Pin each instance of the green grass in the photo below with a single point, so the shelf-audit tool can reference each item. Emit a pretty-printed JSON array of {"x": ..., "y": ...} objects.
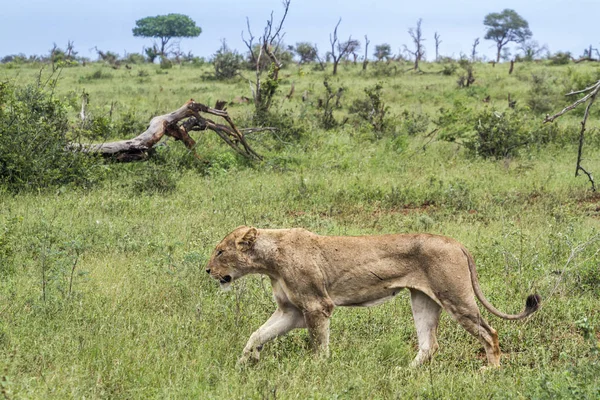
[{"x": 142, "y": 319}]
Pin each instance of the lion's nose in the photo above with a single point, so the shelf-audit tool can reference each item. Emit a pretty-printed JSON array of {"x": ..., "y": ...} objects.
[{"x": 208, "y": 271}]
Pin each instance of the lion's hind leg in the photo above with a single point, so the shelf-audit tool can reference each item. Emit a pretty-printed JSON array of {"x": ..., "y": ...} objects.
[
  {"x": 426, "y": 314},
  {"x": 470, "y": 318}
]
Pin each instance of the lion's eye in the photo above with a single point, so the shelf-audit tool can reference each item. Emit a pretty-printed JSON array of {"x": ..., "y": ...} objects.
[{"x": 219, "y": 253}]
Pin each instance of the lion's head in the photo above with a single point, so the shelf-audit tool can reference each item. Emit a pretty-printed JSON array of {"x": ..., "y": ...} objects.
[{"x": 229, "y": 261}]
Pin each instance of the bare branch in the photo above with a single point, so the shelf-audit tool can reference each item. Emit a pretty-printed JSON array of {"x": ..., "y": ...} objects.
[{"x": 591, "y": 96}]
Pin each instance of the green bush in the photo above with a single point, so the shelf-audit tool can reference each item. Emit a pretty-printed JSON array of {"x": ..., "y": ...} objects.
[
  {"x": 373, "y": 110},
  {"x": 227, "y": 62},
  {"x": 560, "y": 58},
  {"x": 490, "y": 133},
  {"x": 541, "y": 97},
  {"x": 33, "y": 141}
]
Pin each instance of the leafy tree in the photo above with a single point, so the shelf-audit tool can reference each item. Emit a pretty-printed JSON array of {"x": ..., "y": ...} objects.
[
  {"x": 505, "y": 27},
  {"x": 306, "y": 51},
  {"x": 166, "y": 27},
  {"x": 383, "y": 51}
]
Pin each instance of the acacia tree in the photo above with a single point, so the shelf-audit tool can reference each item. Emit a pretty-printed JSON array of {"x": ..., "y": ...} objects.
[
  {"x": 505, "y": 27},
  {"x": 383, "y": 51},
  {"x": 306, "y": 51},
  {"x": 165, "y": 28}
]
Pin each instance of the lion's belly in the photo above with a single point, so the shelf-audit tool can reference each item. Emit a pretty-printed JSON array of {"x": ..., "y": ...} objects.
[{"x": 364, "y": 299}]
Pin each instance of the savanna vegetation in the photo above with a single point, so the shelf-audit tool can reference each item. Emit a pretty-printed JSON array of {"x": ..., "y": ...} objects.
[{"x": 103, "y": 292}]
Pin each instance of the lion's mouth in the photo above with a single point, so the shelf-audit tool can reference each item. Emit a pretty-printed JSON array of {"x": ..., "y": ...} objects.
[{"x": 225, "y": 279}]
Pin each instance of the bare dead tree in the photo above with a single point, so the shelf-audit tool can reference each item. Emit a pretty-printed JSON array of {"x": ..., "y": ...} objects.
[
  {"x": 590, "y": 97},
  {"x": 474, "y": 49},
  {"x": 319, "y": 59},
  {"x": 438, "y": 41},
  {"x": 366, "y": 60},
  {"x": 417, "y": 36},
  {"x": 269, "y": 43},
  {"x": 341, "y": 48},
  {"x": 177, "y": 124}
]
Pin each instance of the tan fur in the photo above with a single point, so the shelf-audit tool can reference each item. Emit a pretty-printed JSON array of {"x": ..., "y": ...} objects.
[{"x": 312, "y": 274}]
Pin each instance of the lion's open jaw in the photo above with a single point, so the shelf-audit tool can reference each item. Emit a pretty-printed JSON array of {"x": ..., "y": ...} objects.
[{"x": 225, "y": 282}]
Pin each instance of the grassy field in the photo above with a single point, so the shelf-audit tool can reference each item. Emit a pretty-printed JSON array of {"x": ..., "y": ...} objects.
[{"x": 103, "y": 292}]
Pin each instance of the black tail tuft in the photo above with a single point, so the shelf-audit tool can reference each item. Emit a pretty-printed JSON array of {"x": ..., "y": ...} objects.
[{"x": 533, "y": 303}]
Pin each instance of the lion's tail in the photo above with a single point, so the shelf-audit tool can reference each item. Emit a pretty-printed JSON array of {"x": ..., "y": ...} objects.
[{"x": 531, "y": 304}]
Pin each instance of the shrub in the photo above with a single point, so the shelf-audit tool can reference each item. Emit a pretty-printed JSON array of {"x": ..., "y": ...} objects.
[
  {"x": 489, "y": 133},
  {"x": 165, "y": 63},
  {"x": 541, "y": 97},
  {"x": 560, "y": 58},
  {"x": 227, "y": 62},
  {"x": 497, "y": 134},
  {"x": 414, "y": 123},
  {"x": 373, "y": 110},
  {"x": 34, "y": 142}
]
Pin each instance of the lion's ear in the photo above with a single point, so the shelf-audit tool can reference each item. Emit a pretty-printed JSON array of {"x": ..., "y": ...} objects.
[{"x": 246, "y": 242}]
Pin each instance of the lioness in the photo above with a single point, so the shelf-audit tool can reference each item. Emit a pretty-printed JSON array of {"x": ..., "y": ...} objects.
[{"x": 311, "y": 274}]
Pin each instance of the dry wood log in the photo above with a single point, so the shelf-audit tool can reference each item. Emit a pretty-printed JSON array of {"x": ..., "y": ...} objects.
[{"x": 177, "y": 125}]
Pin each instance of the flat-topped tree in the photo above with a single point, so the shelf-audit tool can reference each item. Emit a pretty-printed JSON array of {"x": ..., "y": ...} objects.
[
  {"x": 166, "y": 27},
  {"x": 505, "y": 27}
]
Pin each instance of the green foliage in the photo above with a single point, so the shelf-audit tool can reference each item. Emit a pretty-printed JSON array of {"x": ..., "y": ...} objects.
[
  {"x": 327, "y": 104},
  {"x": 504, "y": 27},
  {"x": 489, "y": 133},
  {"x": 166, "y": 27},
  {"x": 542, "y": 96},
  {"x": 34, "y": 141},
  {"x": 449, "y": 67},
  {"x": 134, "y": 58},
  {"x": 383, "y": 52},
  {"x": 227, "y": 62},
  {"x": 373, "y": 109},
  {"x": 413, "y": 123},
  {"x": 560, "y": 58},
  {"x": 165, "y": 63},
  {"x": 306, "y": 51},
  {"x": 498, "y": 134},
  {"x": 384, "y": 69}
]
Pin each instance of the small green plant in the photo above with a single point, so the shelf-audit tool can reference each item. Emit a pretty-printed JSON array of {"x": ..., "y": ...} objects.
[
  {"x": 373, "y": 110},
  {"x": 328, "y": 104}
]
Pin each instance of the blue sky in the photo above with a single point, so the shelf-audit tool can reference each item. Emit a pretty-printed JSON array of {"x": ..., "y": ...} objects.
[{"x": 32, "y": 26}]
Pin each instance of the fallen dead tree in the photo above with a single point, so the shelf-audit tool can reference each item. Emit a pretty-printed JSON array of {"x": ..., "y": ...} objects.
[{"x": 177, "y": 124}]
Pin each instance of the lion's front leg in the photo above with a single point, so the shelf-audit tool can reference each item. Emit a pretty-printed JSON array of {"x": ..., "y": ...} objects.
[
  {"x": 280, "y": 323},
  {"x": 317, "y": 323}
]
